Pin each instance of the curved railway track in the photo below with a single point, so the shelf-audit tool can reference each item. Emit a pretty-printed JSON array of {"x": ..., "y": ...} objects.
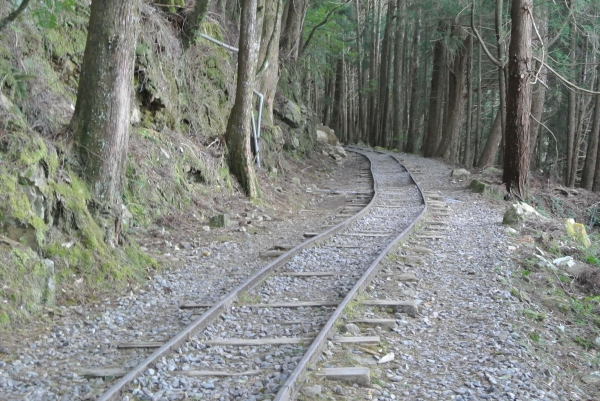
[{"x": 259, "y": 341}]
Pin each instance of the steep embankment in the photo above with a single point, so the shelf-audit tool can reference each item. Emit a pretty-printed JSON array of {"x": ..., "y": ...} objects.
[{"x": 51, "y": 247}]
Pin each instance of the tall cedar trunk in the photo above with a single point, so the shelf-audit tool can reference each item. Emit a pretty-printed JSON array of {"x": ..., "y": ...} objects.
[
  {"x": 102, "y": 113},
  {"x": 449, "y": 146},
  {"x": 467, "y": 149},
  {"x": 479, "y": 113},
  {"x": 291, "y": 33},
  {"x": 591, "y": 159},
  {"x": 518, "y": 99},
  {"x": 398, "y": 81},
  {"x": 373, "y": 77},
  {"x": 361, "y": 109},
  {"x": 337, "y": 115},
  {"x": 538, "y": 97},
  {"x": 583, "y": 111},
  {"x": 488, "y": 155},
  {"x": 268, "y": 56},
  {"x": 411, "y": 141},
  {"x": 572, "y": 111},
  {"x": 501, "y": 72},
  {"x": 436, "y": 94},
  {"x": 384, "y": 74},
  {"x": 238, "y": 133}
]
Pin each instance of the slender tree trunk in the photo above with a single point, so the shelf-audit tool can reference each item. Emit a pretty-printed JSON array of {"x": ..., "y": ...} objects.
[
  {"x": 436, "y": 95},
  {"x": 194, "y": 22},
  {"x": 518, "y": 106},
  {"x": 479, "y": 113},
  {"x": 398, "y": 81},
  {"x": 289, "y": 43},
  {"x": 449, "y": 146},
  {"x": 268, "y": 57},
  {"x": 572, "y": 110},
  {"x": 374, "y": 78},
  {"x": 411, "y": 143},
  {"x": 591, "y": 160},
  {"x": 384, "y": 74},
  {"x": 102, "y": 113},
  {"x": 501, "y": 72},
  {"x": 490, "y": 150},
  {"x": 238, "y": 127},
  {"x": 467, "y": 152},
  {"x": 361, "y": 108},
  {"x": 338, "y": 102},
  {"x": 539, "y": 95}
]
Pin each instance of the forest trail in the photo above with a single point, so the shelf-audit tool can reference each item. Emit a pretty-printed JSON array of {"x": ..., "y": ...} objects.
[{"x": 474, "y": 338}]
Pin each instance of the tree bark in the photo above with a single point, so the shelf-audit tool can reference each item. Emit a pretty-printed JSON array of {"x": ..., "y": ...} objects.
[
  {"x": 591, "y": 160},
  {"x": 467, "y": 148},
  {"x": 572, "y": 111},
  {"x": 338, "y": 102},
  {"x": 411, "y": 142},
  {"x": 539, "y": 96},
  {"x": 238, "y": 133},
  {"x": 289, "y": 43},
  {"x": 373, "y": 77},
  {"x": 449, "y": 146},
  {"x": 268, "y": 57},
  {"x": 501, "y": 73},
  {"x": 101, "y": 119},
  {"x": 384, "y": 75},
  {"x": 361, "y": 102},
  {"x": 436, "y": 95},
  {"x": 398, "y": 81},
  {"x": 518, "y": 99},
  {"x": 490, "y": 150}
]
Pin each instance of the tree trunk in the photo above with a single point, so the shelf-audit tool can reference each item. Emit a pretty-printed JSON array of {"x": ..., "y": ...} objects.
[
  {"x": 398, "y": 81},
  {"x": 501, "y": 76},
  {"x": 102, "y": 113},
  {"x": 490, "y": 150},
  {"x": 479, "y": 104},
  {"x": 518, "y": 99},
  {"x": 291, "y": 34},
  {"x": 411, "y": 142},
  {"x": 268, "y": 57},
  {"x": 373, "y": 77},
  {"x": 572, "y": 111},
  {"x": 436, "y": 95},
  {"x": 539, "y": 96},
  {"x": 449, "y": 146},
  {"x": 361, "y": 109},
  {"x": 467, "y": 149},
  {"x": 238, "y": 133},
  {"x": 384, "y": 76},
  {"x": 591, "y": 160},
  {"x": 338, "y": 102}
]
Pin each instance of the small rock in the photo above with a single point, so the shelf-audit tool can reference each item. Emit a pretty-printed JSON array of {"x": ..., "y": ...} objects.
[
  {"x": 220, "y": 220},
  {"x": 387, "y": 358},
  {"x": 352, "y": 329},
  {"x": 206, "y": 228},
  {"x": 593, "y": 377},
  {"x": 459, "y": 172},
  {"x": 296, "y": 181},
  {"x": 313, "y": 391}
]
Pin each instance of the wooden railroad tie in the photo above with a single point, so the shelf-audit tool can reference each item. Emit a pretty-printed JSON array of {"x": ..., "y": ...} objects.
[
  {"x": 373, "y": 340},
  {"x": 375, "y": 322},
  {"x": 312, "y": 274}
]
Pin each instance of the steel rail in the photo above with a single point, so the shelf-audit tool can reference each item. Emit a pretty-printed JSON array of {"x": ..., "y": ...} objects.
[
  {"x": 221, "y": 306},
  {"x": 291, "y": 387}
]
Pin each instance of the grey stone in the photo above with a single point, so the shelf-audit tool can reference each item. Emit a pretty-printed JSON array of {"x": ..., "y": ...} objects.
[
  {"x": 352, "y": 329},
  {"x": 459, "y": 172},
  {"x": 50, "y": 288},
  {"x": 220, "y": 220},
  {"x": 520, "y": 212}
]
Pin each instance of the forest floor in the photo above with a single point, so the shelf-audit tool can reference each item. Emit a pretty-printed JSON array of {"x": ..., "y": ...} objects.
[{"x": 533, "y": 329}]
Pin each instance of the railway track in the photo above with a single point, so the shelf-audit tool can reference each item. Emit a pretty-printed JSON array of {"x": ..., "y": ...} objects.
[{"x": 260, "y": 340}]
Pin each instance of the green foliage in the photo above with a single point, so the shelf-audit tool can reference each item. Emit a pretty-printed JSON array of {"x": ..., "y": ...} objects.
[{"x": 48, "y": 12}]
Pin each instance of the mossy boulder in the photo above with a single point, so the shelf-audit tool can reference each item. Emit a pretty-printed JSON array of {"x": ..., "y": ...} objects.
[
  {"x": 520, "y": 212},
  {"x": 289, "y": 112}
]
